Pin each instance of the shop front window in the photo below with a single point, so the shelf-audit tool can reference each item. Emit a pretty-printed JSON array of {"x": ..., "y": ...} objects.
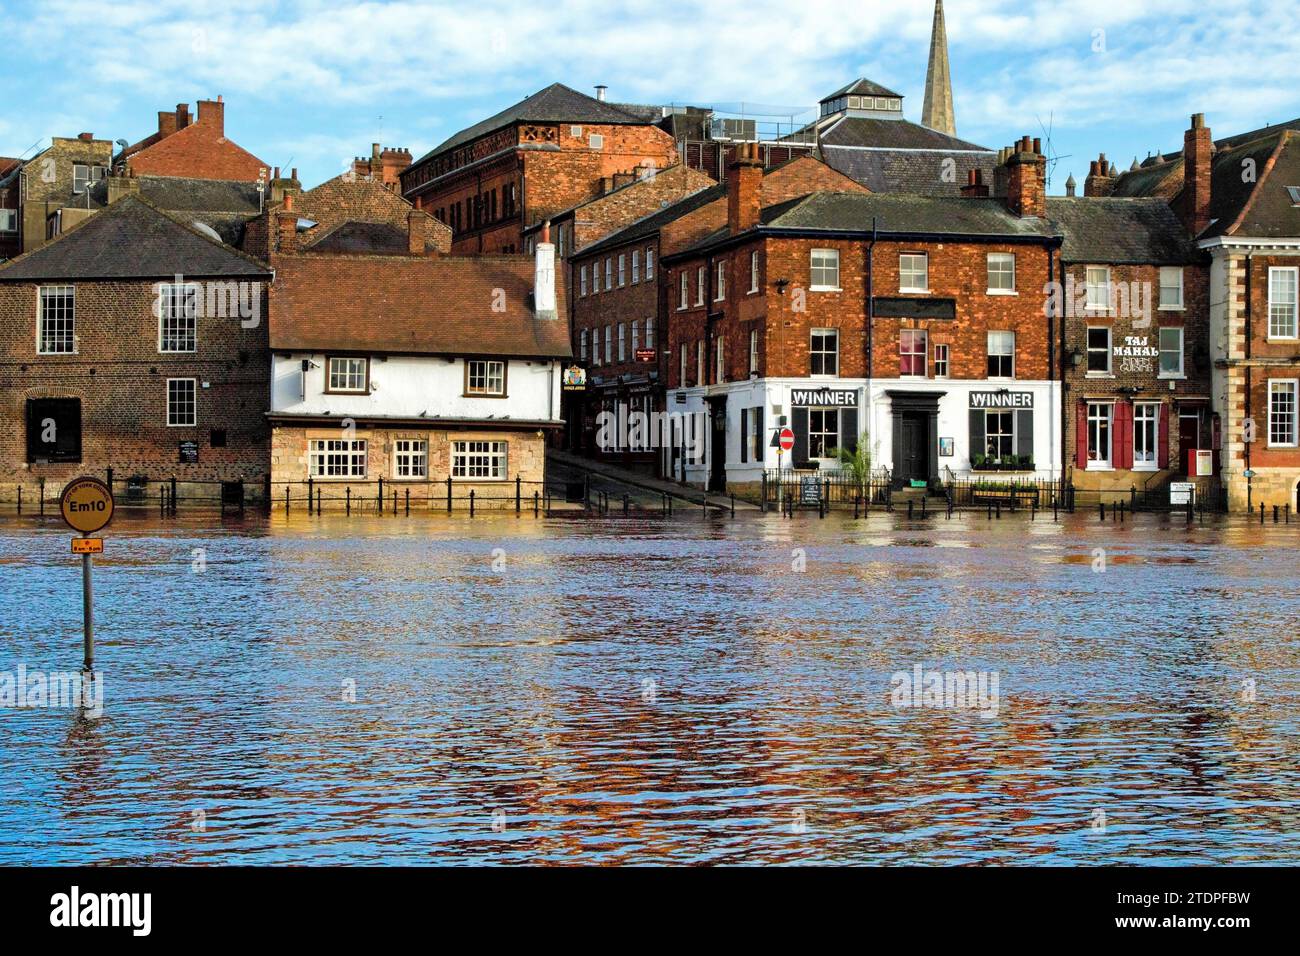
[
  {"x": 1099, "y": 419},
  {"x": 823, "y": 432},
  {"x": 1146, "y": 429}
]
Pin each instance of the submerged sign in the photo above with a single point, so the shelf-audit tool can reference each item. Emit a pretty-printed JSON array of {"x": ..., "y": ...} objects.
[
  {"x": 1001, "y": 399},
  {"x": 833, "y": 397}
]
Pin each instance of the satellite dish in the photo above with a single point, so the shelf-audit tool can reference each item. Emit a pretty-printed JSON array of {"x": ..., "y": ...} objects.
[{"x": 207, "y": 230}]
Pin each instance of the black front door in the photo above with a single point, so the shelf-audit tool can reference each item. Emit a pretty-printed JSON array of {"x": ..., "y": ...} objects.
[
  {"x": 914, "y": 462},
  {"x": 718, "y": 448}
]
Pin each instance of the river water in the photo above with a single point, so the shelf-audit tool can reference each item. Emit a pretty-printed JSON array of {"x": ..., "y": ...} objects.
[{"x": 646, "y": 690}]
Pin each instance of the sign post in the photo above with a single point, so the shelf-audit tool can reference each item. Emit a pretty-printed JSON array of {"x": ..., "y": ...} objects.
[{"x": 87, "y": 506}]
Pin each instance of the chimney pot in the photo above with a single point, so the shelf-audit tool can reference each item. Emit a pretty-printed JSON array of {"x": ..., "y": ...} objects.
[{"x": 288, "y": 203}]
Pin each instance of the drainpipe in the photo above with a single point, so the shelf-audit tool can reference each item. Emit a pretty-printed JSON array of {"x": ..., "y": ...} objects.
[
  {"x": 1065, "y": 404},
  {"x": 1250, "y": 258},
  {"x": 1051, "y": 360},
  {"x": 869, "y": 409}
]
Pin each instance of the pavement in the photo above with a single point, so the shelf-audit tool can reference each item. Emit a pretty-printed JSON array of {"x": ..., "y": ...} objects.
[{"x": 644, "y": 491}]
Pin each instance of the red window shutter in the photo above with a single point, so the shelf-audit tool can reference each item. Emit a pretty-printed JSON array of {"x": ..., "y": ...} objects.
[
  {"x": 1122, "y": 452},
  {"x": 1081, "y": 435},
  {"x": 1162, "y": 440}
]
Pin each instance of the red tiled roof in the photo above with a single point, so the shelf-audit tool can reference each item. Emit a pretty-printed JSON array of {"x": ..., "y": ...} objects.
[{"x": 414, "y": 306}]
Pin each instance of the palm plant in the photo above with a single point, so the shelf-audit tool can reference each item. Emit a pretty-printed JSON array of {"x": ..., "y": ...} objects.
[{"x": 857, "y": 462}]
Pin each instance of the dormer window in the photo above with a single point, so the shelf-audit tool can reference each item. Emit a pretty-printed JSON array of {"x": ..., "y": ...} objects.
[
  {"x": 855, "y": 102},
  {"x": 894, "y": 104}
]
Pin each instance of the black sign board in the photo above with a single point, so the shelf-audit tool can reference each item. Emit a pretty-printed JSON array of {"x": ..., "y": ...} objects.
[
  {"x": 810, "y": 490},
  {"x": 189, "y": 452},
  {"x": 913, "y": 308}
]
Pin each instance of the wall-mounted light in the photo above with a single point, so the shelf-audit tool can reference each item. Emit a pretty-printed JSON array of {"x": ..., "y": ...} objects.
[
  {"x": 781, "y": 284},
  {"x": 1076, "y": 358}
]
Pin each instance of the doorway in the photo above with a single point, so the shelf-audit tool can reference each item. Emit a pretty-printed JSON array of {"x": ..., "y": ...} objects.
[
  {"x": 914, "y": 448},
  {"x": 718, "y": 445}
]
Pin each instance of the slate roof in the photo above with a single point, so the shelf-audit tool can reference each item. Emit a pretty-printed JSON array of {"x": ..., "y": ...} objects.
[
  {"x": 1121, "y": 230},
  {"x": 1262, "y": 209},
  {"x": 179, "y": 194},
  {"x": 413, "y": 306},
  {"x": 555, "y": 104},
  {"x": 130, "y": 240},
  {"x": 865, "y": 131},
  {"x": 371, "y": 238},
  {"x": 861, "y": 85}
]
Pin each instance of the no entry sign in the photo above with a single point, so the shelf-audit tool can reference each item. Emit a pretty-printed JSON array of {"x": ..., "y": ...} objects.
[{"x": 785, "y": 439}]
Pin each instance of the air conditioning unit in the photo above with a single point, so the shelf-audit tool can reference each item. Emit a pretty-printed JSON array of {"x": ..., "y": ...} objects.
[{"x": 734, "y": 130}]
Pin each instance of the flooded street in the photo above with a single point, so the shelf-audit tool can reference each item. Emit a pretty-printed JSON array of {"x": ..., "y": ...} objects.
[{"x": 311, "y": 689}]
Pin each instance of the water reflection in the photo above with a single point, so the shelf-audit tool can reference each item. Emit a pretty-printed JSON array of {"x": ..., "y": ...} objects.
[{"x": 373, "y": 689}]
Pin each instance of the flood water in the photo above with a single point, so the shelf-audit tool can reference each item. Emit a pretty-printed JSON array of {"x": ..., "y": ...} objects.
[{"x": 316, "y": 690}]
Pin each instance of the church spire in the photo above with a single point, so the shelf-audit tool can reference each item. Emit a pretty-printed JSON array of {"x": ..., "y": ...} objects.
[{"x": 937, "y": 112}]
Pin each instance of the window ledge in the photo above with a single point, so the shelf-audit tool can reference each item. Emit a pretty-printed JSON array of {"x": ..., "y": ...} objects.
[
  {"x": 1099, "y": 375},
  {"x": 913, "y": 291},
  {"x": 1092, "y": 467},
  {"x": 1002, "y": 292},
  {"x": 1171, "y": 308},
  {"x": 1164, "y": 377},
  {"x": 825, "y": 288}
]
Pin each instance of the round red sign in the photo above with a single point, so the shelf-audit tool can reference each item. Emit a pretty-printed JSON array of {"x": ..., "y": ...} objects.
[{"x": 787, "y": 439}]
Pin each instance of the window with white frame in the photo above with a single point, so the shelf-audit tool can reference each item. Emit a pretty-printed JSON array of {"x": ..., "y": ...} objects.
[
  {"x": 348, "y": 374},
  {"x": 336, "y": 457},
  {"x": 1099, "y": 419},
  {"x": 1146, "y": 434},
  {"x": 485, "y": 460},
  {"x": 622, "y": 341},
  {"x": 609, "y": 273},
  {"x": 684, "y": 300},
  {"x": 699, "y": 285},
  {"x": 636, "y": 336},
  {"x": 81, "y": 176},
  {"x": 753, "y": 350},
  {"x": 582, "y": 281},
  {"x": 56, "y": 320},
  {"x": 1171, "y": 288},
  {"x": 999, "y": 434},
  {"x": 636, "y": 265},
  {"x": 753, "y": 271},
  {"x": 649, "y": 331},
  {"x": 8, "y": 220},
  {"x": 1097, "y": 288},
  {"x": 913, "y": 346},
  {"x": 582, "y": 345},
  {"x": 824, "y": 352},
  {"x": 1098, "y": 350},
  {"x": 1002, "y": 273},
  {"x": 1171, "y": 351},
  {"x": 1282, "y": 396},
  {"x": 649, "y": 263},
  {"x": 622, "y": 269},
  {"x": 1282, "y": 299},
  {"x": 824, "y": 269},
  {"x": 410, "y": 458},
  {"x": 681, "y": 365},
  {"x": 1002, "y": 355},
  {"x": 719, "y": 361},
  {"x": 823, "y": 432},
  {"x": 485, "y": 377},
  {"x": 182, "y": 402},
  {"x": 178, "y": 318},
  {"x": 609, "y": 344},
  {"x": 940, "y": 360},
  {"x": 699, "y": 362},
  {"x": 914, "y": 272},
  {"x": 720, "y": 290}
]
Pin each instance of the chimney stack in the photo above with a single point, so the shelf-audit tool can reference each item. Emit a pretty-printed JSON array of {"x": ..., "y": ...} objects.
[
  {"x": 744, "y": 188},
  {"x": 1026, "y": 179},
  {"x": 544, "y": 276},
  {"x": 975, "y": 187},
  {"x": 212, "y": 113},
  {"x": 417, "y": 223},
  {"x": 286, "y": 228},
  {"x": 121, "y": 185},
  {"x": 1099, "y": 181},
  {"x": 86, "y": 137},
  {"x": 167, "y": 124},
  {"x": 1198, "y": 153}
]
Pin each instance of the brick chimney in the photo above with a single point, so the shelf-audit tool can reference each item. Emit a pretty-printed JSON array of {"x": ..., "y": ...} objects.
[
  {"x": 744, "y": 188},
  {"x": 417, "y": 224},
  {"x": 1099, "y": 181},
  {"x": 122, "y": 184},
  {"x": 544, "y": 277},
  {"x": 86, "y": 137},
  {"x": 975, "y": 187},
  {"x": 166, "y": 123},
  {"x": 282, "y": 187},
  {"x": 212, "y": 113},
  {"x": 286, "y": 228},
  {"x": 1198, "y": 155},
  {"x": 1026, "y": 179},
  {"x": 182, "y": 115}
]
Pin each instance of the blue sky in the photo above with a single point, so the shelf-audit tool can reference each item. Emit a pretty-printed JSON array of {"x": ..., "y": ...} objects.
[{"x": 311, "y": 83}]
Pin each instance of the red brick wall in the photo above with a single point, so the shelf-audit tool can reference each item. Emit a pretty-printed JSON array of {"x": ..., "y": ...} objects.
[
  {"x": 200, "y": 151},
  {"x": 121, "y": 379}
]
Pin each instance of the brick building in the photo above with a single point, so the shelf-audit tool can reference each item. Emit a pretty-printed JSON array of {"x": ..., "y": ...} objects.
[
  {"x": 49, "y": 192},
  {"x": 1134, "y": 320},
  {"x": 532, "y": 160},
  {"x": 384, "y": 165},
  {"x": 915, "y": 323},
  {"x": 620, "y": 304},
  {"x": 1242, "y": 196},
  {"x": 196, "y": 149},
  {"x": 134, "y": 342},
  {"x": 405, "y": 369}
]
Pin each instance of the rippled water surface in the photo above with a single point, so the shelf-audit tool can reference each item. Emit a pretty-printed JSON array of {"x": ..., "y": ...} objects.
[{"x": 652, "y": 691}]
